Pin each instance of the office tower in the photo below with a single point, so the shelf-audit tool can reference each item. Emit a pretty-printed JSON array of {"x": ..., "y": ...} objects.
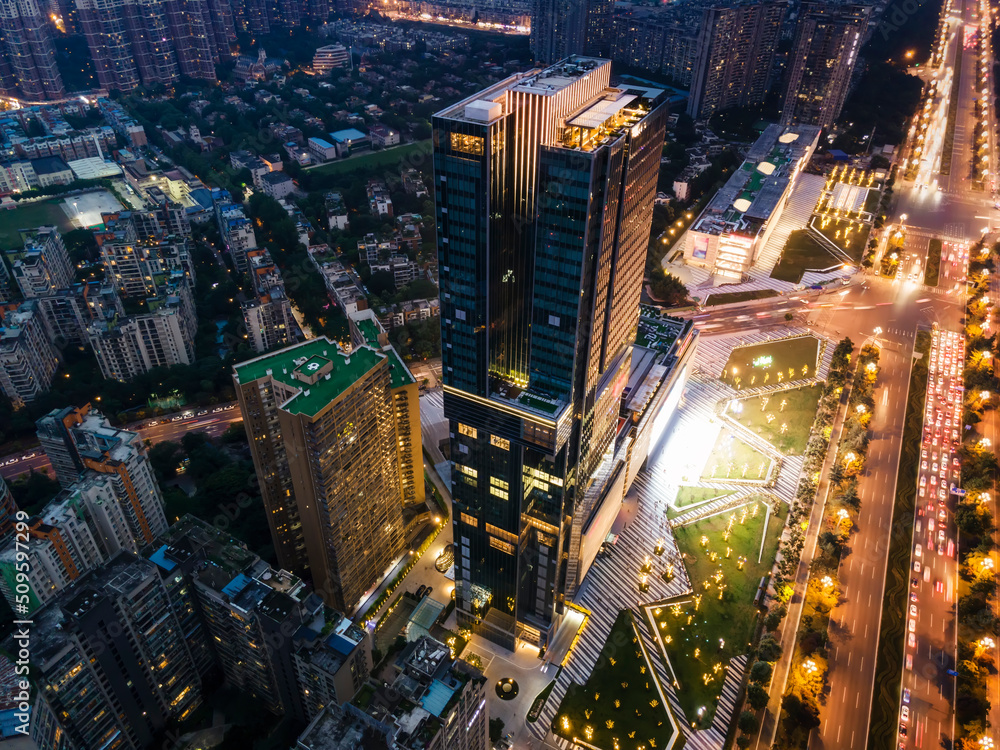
[
  {"x": 434, "y": 702},
  {"x": 81, "y": 442},
  {"x": 736, "y": 47},
  {"x": 268, "y": 317},
  {"x": 26, "y": 43},
  {"x": 246, "y": 611},
  {"x": 560, "y": 28},
  {"x": 126, "y": 347},
  {"x": 28, "y": 361},
  {"x": 42, "y": 266},
  {"x": 110, "y": 660},
  {"x": 324, "y": 440},
  {"x": 822, "y": 62},
  {"x": 367, "y": 330},
  {"x": 545, "y": 185}
]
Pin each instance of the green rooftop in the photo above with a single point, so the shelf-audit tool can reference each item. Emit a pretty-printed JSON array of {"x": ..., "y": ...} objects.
[
  {"x": 324, "y": 374},
  {"x": 369, "y": 330},
  {"x": 399, "y": 373}
]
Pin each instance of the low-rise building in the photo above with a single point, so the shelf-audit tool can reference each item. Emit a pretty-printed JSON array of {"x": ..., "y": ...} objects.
[
  {"x": 379, "y": 201},
  {"x": 382, "y": 136},
  {"x": 349, "y": 141},
  {"x": 322, "y": 150},
  {"x": 51, "y": 170},
  {"x": 277, "y": 185},
  {"x": 336, "y": 211},
  {"x": 329, "y": 57}
]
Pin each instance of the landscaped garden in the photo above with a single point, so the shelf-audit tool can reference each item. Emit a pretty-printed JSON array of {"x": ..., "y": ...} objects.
[
  {"x": 725, "y": 556},
  {"x": 690, "y": 495},
  {"x": 849, "y": 236},
  {"x": 933, "y": 270},
  {"x": 619, "y": 707},
  {"x": 802, "y": 252},
  {"x": 733, "y": 459},
  {"x": 772, "y": 362},
  {"x": 783, "y": 419}
]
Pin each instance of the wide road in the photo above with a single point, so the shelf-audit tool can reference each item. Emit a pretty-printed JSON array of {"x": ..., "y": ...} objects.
[{"x": 213, "y": 420}]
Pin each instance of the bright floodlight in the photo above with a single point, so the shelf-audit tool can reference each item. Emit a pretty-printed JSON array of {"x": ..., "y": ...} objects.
[
  {"x": 741, "y": 205},
  {"x": 766, "y": 167},
  {"x": 788, "y": 137}
]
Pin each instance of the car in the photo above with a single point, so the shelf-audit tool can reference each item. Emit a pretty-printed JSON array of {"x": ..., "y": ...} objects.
[
  {"x": 911, "y": 640},
  {"x": 178, "y": 418},
  {"x": 420, "y": 591},
  {"x": 152, "y": 424},
  {"x": 902, "y": 730},
  {"x": 940, "y": 550},
  {"x": 955, "y": 463},
  {"x": 923, "y": 464},
  {"x": 923, "y": 491},
  {"x": 911, "y": 625},
  {"x": 942, "y": 493},
  {"x": 916, "y": 566},
  {"x": 905, "y": 714},
  {"x": 914, "y": 581},
  {"x": 923, "y": 453},
  {"x": 909, "y": 665},
  {"x": 918, "y": 551},
  {"x": 927, "y": 575},
  {"x": 940, "y": 535},
  {"x": 923, "y": 478},
  {"x": 913, "y": 610},
  {"x": 942, "y": 514},
  {"x": 913, "y": 596},
  {"x": 938, "y": 586},
  {"x": 930, "y": 525}
]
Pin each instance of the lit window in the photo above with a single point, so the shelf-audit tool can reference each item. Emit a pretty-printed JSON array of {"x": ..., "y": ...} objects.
[
  {"x": 464, "y": 429},
  {"x": 500, "y": 442}
]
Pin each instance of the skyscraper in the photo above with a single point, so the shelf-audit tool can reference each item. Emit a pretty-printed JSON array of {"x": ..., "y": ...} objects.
[
  {"x": 544, "y": 188},
  {"x": 26, "y": 45},
  {"x": 322, "y": 430},
  {"x": 826, "y": 48},
  {"x": 736, "y": 48},
  {"x": 560, "y": 28}
]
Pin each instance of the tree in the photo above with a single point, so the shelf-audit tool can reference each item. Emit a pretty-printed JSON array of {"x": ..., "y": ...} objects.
[
  {"x": 165, "y": 458},
  {"x": 756, "y": 696},
  {"x": 496, "y": 730},
  {"x": 769, "y": 649},
  {"x": 799, "y": 714},
  {"x": 747, "y": 722},
  {"x": 760, "y": 672}
]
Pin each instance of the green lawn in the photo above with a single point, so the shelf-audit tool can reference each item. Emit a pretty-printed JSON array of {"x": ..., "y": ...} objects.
[
  {"x": 688, "y": 495},
  {"x": 29, "y": 216},
  {"x": 726, "y": 297},
  {"x": 933, "y": 269},
  {"x": 733, "y": 618},
  {"x": 760, "y": 364},
  {"x": 793, "y": 410},
  {"x": 851, "y": 241},
  {"x": 801, "y": 253},
  {"x": 621, "y": 674},
  {"x": 388, "y": 157},
  {"x": 872, "y": 200},
  {"x": 731, "y": 458}
]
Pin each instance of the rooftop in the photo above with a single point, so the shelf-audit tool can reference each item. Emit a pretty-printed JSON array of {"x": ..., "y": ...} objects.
[{"x": 317, "y": 369}]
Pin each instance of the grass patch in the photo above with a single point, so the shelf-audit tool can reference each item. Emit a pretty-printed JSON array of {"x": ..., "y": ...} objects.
[
  {"x": 386, "y": 158},
  {"x": 731, "y": 458},
  {"x": 30, "y": 216},
  {"x": 728, "y": 297},
  {"x": 772, "y": 362},
  {"x": 949, "y": 132},
  {"x": 846, "y": 235},
  {"x": 621, "y": 674},
  {"x": 892, "y": 636},
  {"x": 539, "y": 703},
  {"x": 933, "y": 270},
  {"x": 872, "y": 200},
  {"x": 802, "y": 252},
  {"x": 796, "y": 416},
  {"x": 688, "y": 495},
  {"x": 732, "y": 618}
]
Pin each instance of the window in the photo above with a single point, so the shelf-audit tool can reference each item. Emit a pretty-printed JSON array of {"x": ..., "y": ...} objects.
[
  {"x": 464, "y": 429},
  {"x": 502, "y": 494},
  {"x": 467, "y": 144},
  {"x": 470, "y": 520},
  {"x": 467, "y": 471},
  {"x": 499, "y": 483},
  {"x": 499, "y": 442},
  {"x": 502, "y": 545}
]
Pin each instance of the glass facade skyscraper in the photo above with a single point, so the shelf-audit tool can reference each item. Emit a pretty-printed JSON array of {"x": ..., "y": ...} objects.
[{"x": 544, "y": 187}]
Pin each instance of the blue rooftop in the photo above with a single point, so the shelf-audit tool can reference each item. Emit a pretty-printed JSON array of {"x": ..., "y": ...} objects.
[
  {"x": 341, "y": 644},
  {"x": 350, "y": 134},
  {"x": 321, "y": 143},
  {"x": 235, "y": 586},
  {"x": 437, "y": 697},
  {"x": 159, "y": 557}
]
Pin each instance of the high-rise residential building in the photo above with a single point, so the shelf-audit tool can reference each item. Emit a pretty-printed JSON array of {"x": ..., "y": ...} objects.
[
  {"x": 331, "y": 668},
  {"x": 324, "y": 439},
  {"x": 434, "y": 702},
  {"x": 162, "y": 337},
  {"x": 146, "y": 42},
  {"x": 42, "y": 266},
  {"x": 245, "y": 611},
  {"x": 545, "y": 184},
  {"x": 142, "y": 250},
  {"x": 827, "y": 42},
  {"x": 660, "y": 39},
  {"x": 82, "y": 442},
  {"x": 27, "y": 51},
  {"x": 268, "y": 316},
  {"x": 367, "y": 330},
  {"x": 28, "y": 360},
  {"x": 111, "y": 662},
  {"x": 236, "y": 229},
  {"x": 560, "y": 28},
  {"x": 736, "y": 47}
]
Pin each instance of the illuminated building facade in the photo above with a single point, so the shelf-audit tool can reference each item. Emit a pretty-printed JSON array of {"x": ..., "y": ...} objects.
[
  {"x": 544, "y": 187},
  {"x": 826, "y": 48},
  {"x": 323, "y": 435},
  {"x": 27, "y": 53}
]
